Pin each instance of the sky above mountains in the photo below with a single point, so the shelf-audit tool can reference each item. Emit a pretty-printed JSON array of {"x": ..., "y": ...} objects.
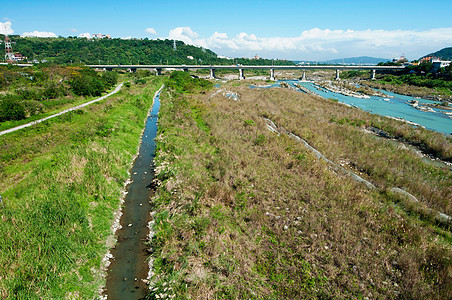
[{"x": 297, "y": 30}]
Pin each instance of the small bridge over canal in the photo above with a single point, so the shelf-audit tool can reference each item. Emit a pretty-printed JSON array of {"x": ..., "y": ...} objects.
[{"x": 241, "y": 68}]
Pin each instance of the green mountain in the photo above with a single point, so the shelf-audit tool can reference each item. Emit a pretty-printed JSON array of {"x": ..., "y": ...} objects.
[
  {"x": 118, "y": 51},
  {"x": 443, "y": 54}
]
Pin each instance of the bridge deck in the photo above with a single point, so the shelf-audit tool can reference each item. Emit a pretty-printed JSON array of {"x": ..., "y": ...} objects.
[{"x": 234, "y": 67}]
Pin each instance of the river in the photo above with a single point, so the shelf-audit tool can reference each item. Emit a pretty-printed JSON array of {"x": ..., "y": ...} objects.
[{"x": 392, "y": 105}]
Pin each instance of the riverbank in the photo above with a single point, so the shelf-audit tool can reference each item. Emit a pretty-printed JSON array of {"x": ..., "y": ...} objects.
[
  {"x": 61, "y": 183},
  {"x": 245, "y": 212},
  {"x": 408, "y": 90}
]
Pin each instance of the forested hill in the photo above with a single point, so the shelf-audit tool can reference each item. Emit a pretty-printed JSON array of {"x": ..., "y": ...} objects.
[
  {"x": 118, "y": 51},
  {"x": 444, "y": 54}
]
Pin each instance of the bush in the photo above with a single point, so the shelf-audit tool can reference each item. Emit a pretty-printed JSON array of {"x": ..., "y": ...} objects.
[
  {"x": 183, "y": 82},
  {"x": 53, "y": 91},
  {"x": 11, "y": 109},
  {"x": 28, "y": 94},
  {"x": 85, "y": 85},
  {"x": 33, "y": 107},
  {"x": 111, "y": 78}
]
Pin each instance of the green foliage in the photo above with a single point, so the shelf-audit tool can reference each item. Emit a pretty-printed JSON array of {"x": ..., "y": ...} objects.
[
  {"x": 110, "y": 77},
  {"x": 85, "y": 85},
  {"x": 183, "y": 82},
  {"x": 354, "y": 73},
  {"x": 259, "y": 140},
  {"x": 53, "y": 91},
  {"x": 111, "y": 51},
  {"x": 11, "y": 109},
  {"x": 353, "y": 122},
  {"x": 57, "y": 215},
  {"x": 421, "y": 81},
  {"x": 248, "y": 123}
]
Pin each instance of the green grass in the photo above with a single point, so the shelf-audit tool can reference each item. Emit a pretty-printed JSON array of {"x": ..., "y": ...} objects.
[
  {"x": 61, "y": 182},
  {"x": 51, "y": 107}
]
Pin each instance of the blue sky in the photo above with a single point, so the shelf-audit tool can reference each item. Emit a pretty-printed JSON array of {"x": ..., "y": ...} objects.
[{"x": 301, "y": 30}]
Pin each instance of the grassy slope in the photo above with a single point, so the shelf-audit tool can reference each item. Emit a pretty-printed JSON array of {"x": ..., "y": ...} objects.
[
  {"x": 51, "y": 107},
  {"x": 61, "y": 182},
  {"x": 244, "y": 213},
  {"x": 411, "y": 90}
]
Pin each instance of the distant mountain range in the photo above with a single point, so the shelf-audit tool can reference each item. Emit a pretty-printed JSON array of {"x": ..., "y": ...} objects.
[
  {"x": 361, "y": 60},
  {"x": 443, "y": 54}
]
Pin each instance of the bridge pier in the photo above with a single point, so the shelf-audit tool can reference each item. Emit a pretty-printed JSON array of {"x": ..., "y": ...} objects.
[
  {"x": 337, "y": 75},
  {"x": 272, "y": 74},
  {"x": 159, "y": 71},
  {"x": 185, "y": 70},
  {"x": 132, "y": 70},
  {"x": 304, "y": 76},
  {"x": 212, "y": 73},
  {"x": 372, "y": 76},
  {"x": 108, "y": 69},
  {"x": 241, "y": 74}
]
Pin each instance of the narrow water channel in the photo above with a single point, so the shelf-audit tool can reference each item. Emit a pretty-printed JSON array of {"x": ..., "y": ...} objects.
[{"x": 129, "y": 265}]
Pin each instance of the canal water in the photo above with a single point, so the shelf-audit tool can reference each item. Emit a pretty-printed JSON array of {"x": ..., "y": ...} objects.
[
  {"x": 129, "y": 267},
  {"x": 392, "y": 105}
]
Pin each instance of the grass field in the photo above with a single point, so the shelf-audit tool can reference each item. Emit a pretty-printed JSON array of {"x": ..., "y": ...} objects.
[
  {"x": 245, "y": 213},
  {"x": 61, "y": 182},
  {"x": 240, "y": 211}
]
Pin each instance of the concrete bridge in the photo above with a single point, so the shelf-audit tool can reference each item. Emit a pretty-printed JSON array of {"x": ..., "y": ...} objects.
[{"x": 241, "y": 68}]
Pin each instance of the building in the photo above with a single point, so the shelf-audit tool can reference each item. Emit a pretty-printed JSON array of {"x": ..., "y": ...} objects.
[
  {"x": 19, "y": 57},
  {"x": 427, "y": 59},
  {"x": 400, "y": 59},
  {"x": 438, "y": 64},
  {"x": 101, "y": 36}
]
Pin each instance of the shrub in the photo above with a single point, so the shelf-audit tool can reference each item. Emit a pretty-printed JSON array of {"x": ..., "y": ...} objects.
[
  {"x": 11, "y": 109},
  {"x": 85, "y": 85},
  {"x": 53, "y": 91},
  {"x": 33, "y": 107},
  {"x": 110, "y": 78}
]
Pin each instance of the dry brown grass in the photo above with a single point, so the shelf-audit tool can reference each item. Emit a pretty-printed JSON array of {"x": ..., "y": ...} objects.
[{"x": 255, "y": 215}]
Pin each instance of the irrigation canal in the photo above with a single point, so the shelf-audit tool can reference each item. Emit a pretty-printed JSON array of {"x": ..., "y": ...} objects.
[{"x": 129, "y": 265}]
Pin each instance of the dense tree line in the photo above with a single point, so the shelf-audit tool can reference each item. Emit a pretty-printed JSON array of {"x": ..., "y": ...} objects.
[{"x": 118, "y": 51}]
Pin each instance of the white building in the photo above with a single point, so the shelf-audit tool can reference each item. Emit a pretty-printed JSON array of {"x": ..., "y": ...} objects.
[{"x": 438, "y": 64}]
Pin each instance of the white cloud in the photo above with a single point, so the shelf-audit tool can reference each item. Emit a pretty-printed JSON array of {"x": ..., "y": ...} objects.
[
  {"x": 184, "y": 34},
  {"x": 73, "y": 29},
  {"x": 35, "y": 33},
  {"x": 318, "y": 44},
  {"x": 151, "y": 30},
  {"x": 5, "y": 28},
  {"x": 85, "y": 35}
]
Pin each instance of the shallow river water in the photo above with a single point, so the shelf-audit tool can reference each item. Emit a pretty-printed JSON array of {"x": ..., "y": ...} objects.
[{"x": 392, "y": 105}]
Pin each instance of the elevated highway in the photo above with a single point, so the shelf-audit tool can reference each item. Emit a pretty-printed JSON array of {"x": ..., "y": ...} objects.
[{"x": 241, "y": 68}]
